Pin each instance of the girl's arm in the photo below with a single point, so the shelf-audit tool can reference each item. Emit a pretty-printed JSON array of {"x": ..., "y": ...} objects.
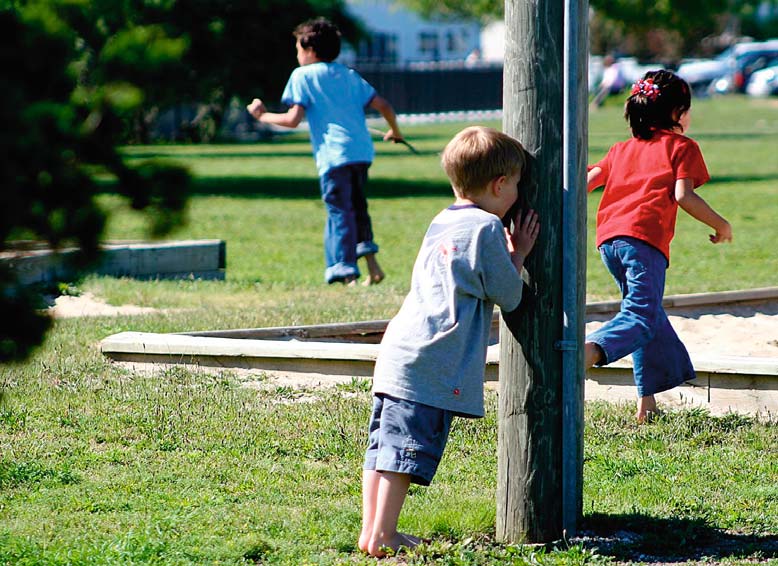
[
  {"x": 696, "y": 207},
  {"x": 594, "y": 178},
  {"x": 289, "y": 119}
]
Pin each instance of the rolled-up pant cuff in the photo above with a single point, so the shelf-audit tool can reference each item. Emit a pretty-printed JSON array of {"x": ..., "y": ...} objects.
[
  {"x": 366, "y": 248},
  {"x": 340, "y": 271}
]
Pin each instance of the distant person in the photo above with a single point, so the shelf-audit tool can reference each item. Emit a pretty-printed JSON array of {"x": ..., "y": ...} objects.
[
  {"x": 334, "y": 99},
  {"x": 473, "y": 58},
  {"x": 431, "y": 363},
  {"x": 646, "y": 179},
  {"x": 612, "y": 81}
]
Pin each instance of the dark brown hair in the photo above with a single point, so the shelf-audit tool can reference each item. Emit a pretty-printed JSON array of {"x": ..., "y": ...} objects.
[
  {"x": 646, "y": 114},
  {"x": 322, "y": 36}
]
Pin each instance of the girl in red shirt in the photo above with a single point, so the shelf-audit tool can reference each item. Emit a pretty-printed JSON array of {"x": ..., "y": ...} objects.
[{"x": 646, "y": 179}]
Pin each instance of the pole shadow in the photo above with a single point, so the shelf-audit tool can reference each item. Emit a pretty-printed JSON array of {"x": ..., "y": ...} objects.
[{"x": 642, "y": 538}]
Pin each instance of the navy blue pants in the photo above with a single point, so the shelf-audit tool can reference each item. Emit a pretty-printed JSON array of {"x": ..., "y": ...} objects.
[{"x": 348, "y": 231}]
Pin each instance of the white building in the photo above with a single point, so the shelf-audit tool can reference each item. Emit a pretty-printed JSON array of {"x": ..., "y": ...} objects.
[{"x": 401, "y": 36}]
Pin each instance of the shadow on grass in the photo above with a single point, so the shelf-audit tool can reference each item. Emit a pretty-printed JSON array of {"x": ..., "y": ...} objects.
[
  {"x": 381, "y": 150},
  {"x": 732, "y": 136},
  {"x": 304, "y": 187},
  {"x": 639, "y": 537},
  {"x": 742, "y": 178}
]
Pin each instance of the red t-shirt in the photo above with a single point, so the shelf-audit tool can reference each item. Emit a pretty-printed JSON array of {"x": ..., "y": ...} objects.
[{"x": 639, "y": 177}]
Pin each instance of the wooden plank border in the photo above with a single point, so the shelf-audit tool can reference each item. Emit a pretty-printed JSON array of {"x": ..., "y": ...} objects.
[{"x": 182, "y": 259}]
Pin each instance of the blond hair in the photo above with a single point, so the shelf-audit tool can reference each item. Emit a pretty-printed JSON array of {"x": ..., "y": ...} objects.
[{"x": 477, "y": 155}]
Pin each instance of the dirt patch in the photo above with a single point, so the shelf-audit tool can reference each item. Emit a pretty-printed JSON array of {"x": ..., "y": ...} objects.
[{"x": 66, "y": 306}]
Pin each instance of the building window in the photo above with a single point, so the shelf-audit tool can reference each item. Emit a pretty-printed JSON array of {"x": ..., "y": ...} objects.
[
  {"x": 378, "y": 48},
  {"x": 429, "y": 46},
  {"x": 457, "y": 41}
]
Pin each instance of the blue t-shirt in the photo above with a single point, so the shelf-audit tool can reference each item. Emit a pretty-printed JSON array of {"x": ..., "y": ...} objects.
[
  {"x": 434, "y": 350},
  {"x": 334, "y": 98}
]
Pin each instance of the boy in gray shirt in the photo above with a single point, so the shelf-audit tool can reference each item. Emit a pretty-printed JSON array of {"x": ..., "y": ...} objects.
[{"x": 431, "y": 364}]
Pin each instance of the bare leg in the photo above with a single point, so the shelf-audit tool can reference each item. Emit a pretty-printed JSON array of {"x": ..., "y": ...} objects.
[
  {"x": 646, "y": 408},
  {"x": 375, "y": 273},
  {"x": 370, "y": 479},
  {"x": 392, "y": 489},
  {"x": 592, "y": 354}
]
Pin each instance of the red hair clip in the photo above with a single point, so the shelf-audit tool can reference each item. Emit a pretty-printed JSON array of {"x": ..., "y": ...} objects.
[{"x": 647, "y": 88}]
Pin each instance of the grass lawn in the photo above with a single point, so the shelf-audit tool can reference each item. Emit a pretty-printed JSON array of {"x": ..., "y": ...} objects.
[{"x": 99, "y": 466}]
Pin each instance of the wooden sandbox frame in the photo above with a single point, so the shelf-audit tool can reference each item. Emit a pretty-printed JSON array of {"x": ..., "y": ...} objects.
[{"x": 724, "y": 383}]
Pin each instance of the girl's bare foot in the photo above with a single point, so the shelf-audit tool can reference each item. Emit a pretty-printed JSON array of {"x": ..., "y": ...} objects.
[
  {"x": 646, "y": 409},
  {"x": 375, "y": 273},
  {"x": 592, "y": 354}
]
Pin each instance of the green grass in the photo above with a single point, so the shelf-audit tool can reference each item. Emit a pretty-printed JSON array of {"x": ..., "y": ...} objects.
[{"x": 100, "y": 466}]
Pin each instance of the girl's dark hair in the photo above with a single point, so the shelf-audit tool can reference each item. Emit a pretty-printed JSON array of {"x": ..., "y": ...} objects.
[
  {"x": 649, "y": 110},
  {"x": 321, "y": 35}
]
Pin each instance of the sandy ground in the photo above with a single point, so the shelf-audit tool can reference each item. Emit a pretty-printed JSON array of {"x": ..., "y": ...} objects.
[{"x": 726, "y": 330}]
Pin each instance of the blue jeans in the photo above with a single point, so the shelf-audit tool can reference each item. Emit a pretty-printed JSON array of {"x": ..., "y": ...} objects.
[
  {"x": 641, "y": 327},
  {"x": 348, "y": 232}
]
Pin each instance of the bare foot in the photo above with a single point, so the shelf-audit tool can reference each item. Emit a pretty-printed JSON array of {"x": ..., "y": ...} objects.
[
  {"x": 592, "y": 354},
  {"x": 647, "y": 410},
  {"x": 375, "y": 273},
  {"x": 380, "y": 548},
  {"x": 364, "y": 538}
]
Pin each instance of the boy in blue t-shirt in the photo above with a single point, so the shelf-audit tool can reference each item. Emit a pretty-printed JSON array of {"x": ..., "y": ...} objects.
[
  {"x": 334, "y": 98},
  {"x": 431, "y": 364}
]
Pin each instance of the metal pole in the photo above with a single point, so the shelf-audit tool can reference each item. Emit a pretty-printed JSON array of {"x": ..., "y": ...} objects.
[{"x": 573, "y": 260}]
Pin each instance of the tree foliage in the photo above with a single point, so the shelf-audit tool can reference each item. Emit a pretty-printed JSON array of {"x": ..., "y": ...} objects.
[
  {"x": 59, "y": 126},
  {"x": 684, "y": 21},
  {"x": 482, "y": 10},
  {"x": 197, "y": 52},
  {"x": 80, "y": 78}
]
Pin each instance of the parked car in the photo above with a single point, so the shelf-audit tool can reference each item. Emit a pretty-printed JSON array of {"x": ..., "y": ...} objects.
[
  {"x": 763, "y": 82},
  {"x": 735, "y": 80},
  {"x": 730, "y": 65}
]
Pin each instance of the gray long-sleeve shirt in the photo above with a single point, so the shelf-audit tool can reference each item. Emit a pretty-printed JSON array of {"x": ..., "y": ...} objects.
[{"x": 434, "y": 349}]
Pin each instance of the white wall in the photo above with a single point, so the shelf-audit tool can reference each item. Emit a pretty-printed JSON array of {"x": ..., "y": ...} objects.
[{"x": 383, "y": 16}]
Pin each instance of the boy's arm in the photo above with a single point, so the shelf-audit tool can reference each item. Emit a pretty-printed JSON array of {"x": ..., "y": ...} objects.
[
  {"x": 593, "y": 178},
  {"x": 289, "y": 119},
  {"x": 696, "y": 207},
  {"x": 382, "y": 106}
]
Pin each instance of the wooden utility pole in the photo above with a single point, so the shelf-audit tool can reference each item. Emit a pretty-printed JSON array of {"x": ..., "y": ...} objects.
[{"x": 540, "y": 442}]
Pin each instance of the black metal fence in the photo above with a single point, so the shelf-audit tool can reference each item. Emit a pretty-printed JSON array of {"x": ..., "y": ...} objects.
[
  {"x": 427, "y": 88},
  {"x": 420, "y": 89}
]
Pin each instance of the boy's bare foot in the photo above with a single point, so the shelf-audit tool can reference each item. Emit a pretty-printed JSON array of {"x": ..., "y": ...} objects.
[
  {"x": 375, "y": 273},
  {"x": 380, "y": 548},
  {"x": 373, "y": 279},
  {"x": 592, "y": 354},
  {"x": 349, "y": 281}
]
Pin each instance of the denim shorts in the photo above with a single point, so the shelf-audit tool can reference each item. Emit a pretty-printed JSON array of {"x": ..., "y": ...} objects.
[{"x": 407, "y": 438}]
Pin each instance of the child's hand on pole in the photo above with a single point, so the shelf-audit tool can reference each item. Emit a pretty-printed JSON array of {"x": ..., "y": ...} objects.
[{"x": 525, "y": 233}]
